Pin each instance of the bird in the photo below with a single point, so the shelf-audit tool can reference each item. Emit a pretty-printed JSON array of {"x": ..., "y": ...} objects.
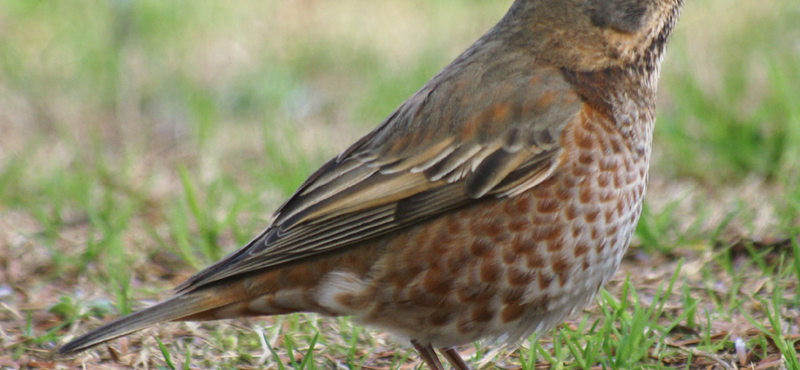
[{"x": 490, "y": 205}]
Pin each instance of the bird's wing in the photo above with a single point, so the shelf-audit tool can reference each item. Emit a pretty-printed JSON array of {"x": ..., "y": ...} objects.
[{"x": 449, "y": 144}]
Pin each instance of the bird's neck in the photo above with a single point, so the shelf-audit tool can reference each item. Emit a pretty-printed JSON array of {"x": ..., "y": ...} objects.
[{"x": 625, "y": 93}]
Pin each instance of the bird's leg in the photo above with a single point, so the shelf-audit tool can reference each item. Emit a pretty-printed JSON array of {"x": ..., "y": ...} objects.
[
  {"x": 428, "y": 355},
  {"x": 454, "y": 358}
]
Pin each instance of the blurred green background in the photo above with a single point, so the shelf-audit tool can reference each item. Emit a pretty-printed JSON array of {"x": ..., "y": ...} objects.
[
  {"x": 120, "y": 105},
  {"x": 136, "y": 133}
]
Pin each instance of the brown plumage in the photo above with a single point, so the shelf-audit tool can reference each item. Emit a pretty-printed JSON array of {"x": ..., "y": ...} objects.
[{"x": 491, "y": 204}]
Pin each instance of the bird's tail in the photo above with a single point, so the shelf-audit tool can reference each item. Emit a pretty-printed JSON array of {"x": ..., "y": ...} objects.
[{"x": 175, "y": 308}]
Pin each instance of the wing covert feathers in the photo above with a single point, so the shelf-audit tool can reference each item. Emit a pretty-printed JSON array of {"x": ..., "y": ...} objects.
[{"x": 442, "y": 149}]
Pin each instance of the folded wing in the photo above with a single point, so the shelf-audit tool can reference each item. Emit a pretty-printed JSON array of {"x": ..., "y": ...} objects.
[{"x": 445, "y": 147}]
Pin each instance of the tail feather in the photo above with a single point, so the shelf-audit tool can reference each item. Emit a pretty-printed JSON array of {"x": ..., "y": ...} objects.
[{"x": 174, "y": 308}]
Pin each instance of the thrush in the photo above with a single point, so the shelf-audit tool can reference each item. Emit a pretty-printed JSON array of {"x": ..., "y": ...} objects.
[{"x": 492, "y": 203}]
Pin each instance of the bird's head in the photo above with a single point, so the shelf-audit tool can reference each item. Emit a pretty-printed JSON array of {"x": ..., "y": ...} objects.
[{"x": 590, "y": 35}]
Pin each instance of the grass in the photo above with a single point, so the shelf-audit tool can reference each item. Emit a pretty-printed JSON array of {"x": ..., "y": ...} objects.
[{"x": 142, "y": 140}]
